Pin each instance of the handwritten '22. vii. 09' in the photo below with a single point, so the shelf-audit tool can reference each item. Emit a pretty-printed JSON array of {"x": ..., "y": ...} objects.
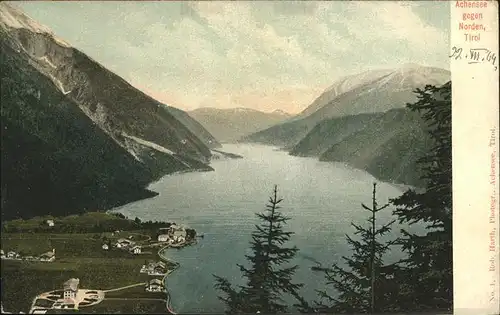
[{"x": 475, "y": 55}]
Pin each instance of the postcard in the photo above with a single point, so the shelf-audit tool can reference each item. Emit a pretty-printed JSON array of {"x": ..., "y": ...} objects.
[{"x": 249, "y": 157}]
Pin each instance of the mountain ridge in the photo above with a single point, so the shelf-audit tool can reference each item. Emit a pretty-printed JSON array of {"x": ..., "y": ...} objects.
[
  {"x": 81, "y": 120},
  {"x": 374, "y": 91},
  {"x": 230, "y": 124},
  {"x": 387, "y": 145}
]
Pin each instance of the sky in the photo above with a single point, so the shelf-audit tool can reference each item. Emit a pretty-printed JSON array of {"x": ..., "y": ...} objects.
[{"x": 260, "y": 55}]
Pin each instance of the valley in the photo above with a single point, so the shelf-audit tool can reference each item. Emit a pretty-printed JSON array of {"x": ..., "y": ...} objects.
[
  {"x": 87, "y": 145},
  {"x": 229, "y": 125},
  {"x": 362, "y": 120},
  {"x": 117, "y": 140}
]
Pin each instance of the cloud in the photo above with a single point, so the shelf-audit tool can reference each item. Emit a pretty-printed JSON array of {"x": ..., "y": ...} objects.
[
  {"x": 264, "y": 55},
  {"x": 397, "y": 22}
]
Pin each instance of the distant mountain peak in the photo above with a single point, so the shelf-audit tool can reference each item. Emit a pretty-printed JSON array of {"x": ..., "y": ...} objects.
[{"x": 231, "y": 124}]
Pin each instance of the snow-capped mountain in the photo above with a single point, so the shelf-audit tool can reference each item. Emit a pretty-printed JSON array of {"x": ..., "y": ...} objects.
[
  {"x": 407, "y": 77},
  {"x": 341, "y": 86},
  {"x": 374, "y": 91}
]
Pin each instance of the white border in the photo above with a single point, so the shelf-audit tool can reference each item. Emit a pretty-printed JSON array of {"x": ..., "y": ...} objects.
[{"x": 474, "y": 113}]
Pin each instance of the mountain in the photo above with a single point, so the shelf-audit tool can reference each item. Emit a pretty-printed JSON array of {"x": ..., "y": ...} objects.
[
  {"x": 229, "y": 125},
  {"x": 76, "y": 136},
  {"x": 332, "y": 131},
  {"x": 195, "y": 127},
  {"x": 387, "y": 145},
  {"x": 374, "y": 91},
  {"x": 342, "y": 86}
]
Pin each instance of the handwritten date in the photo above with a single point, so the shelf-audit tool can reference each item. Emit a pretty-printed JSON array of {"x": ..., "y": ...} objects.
[{"x": 475, "y": 55}]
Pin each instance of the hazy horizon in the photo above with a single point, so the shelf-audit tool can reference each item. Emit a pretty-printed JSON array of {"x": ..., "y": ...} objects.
[{"x": 259, "y": 55}]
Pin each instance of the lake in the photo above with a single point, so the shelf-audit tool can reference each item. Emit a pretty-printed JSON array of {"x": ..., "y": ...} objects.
[{"x": 321, "y": 198}]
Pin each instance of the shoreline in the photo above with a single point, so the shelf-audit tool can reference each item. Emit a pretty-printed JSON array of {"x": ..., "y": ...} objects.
[
  {"x": 190, "y": 170},
  {"x": 177, "y": 265}
]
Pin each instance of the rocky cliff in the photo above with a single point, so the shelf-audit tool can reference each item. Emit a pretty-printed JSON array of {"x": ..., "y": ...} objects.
[{"x": 76, "y": 136}]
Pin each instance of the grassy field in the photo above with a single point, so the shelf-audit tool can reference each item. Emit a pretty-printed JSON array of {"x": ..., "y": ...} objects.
[
  {"x": 119, "y": 306},
  {"x": 127, "y": 306},
  {"x": 66, "y": 245},
  {"x": 77, "y": 256},
  {"x": 88, "y": 222}
]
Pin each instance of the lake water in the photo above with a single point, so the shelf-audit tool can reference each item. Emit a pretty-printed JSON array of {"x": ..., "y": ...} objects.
[{"x": 322, "y": 199}]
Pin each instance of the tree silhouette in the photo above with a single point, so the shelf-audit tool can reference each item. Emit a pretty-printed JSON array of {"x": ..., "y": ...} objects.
[
  {"x": 427, "y": 272},
  {"x": 267, "y": 282},
  {"x": 366, "y": 285}
]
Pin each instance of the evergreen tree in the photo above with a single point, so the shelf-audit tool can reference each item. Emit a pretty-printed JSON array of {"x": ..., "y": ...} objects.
[
  {"x": 365, "y": 286},
  {"x": 427, "y": 272},
  {"x": 267, "y": 280}
]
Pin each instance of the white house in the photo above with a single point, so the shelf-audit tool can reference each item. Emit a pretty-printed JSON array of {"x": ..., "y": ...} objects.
[
  {"x": 123, "y": 242},
  {"x": 136, "y": 250},
  {"x": 40, "y": 311},
  {"x": 144, "y": 269},
  {"x": 2, "y": 254},
  {"x": 105, "y": 246},
  {"x": 71, "y": 288},
  {"x": 160, "y": 264},
  {"x": 50, "y": 222},
  {"x": 163, "y": 238},
  {"x": 180, "y": 233},
  {"x": 11, "y": 255},
  {"x": 158, "y": 271},
  {"x": 48, "y": 256},
  {"x": 154, "y": 285}
]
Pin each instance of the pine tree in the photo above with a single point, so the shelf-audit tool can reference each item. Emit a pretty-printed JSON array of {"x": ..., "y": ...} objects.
[
  {"x": 267, "y": 281},
  {"x": 366, "y": 285},
  {"x": 427, "y": 272}
]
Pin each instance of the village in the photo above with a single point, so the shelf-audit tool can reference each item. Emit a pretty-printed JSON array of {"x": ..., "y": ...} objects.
[
  {"x": 152, "y": 273},
  {"x": 172, "y": 236}
]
